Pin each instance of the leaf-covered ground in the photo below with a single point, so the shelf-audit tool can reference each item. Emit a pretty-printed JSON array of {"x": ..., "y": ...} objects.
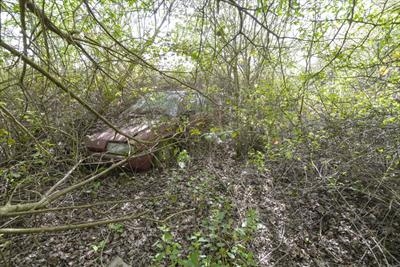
[{"x": 299, "y": 223}]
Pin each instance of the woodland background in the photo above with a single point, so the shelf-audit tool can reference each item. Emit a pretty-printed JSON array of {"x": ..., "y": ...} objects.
[{"x": 306, "y": 168}]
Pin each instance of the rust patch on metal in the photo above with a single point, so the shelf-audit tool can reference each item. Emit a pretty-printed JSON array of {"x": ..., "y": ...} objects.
[
  {"x": 111, "y": 135},
  {"x": 143, "y": 163},
  {"x": 96, "y": 145}
]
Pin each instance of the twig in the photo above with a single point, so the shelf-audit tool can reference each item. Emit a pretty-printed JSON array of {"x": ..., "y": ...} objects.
[
  {"x": 24, "y": 129},
  {"x": 64, "y": 88},
  {"x": 169, "y": 217},
  {"x": 63, "y": 179},
  {"x": 143, "y": 61}
]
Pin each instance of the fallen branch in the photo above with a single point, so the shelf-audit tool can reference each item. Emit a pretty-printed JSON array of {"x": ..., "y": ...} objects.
[
  {"x": 9, "y": 208},
  {"x": 84, "y": 206},
  {"x": 86, "y": 225},
  {"x": 68, "y": 227},
  {"x": 63, "y": 179}
]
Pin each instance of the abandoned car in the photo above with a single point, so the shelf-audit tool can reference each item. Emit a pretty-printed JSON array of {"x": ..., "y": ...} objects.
[{"x": 152, "y": 121}]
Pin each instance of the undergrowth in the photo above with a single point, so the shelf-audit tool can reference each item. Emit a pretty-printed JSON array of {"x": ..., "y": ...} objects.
[{"x": 216, "y": 242}]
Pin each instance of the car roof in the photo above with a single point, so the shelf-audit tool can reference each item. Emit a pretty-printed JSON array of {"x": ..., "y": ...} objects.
[{"x": 167, "y": 102}]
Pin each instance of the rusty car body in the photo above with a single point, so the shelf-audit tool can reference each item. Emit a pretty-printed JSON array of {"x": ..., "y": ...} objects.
[{"x": 153, "y": 118}]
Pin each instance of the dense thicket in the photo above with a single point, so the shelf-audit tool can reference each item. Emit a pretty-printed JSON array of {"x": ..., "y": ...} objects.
[{"x": 306, "y": 91}]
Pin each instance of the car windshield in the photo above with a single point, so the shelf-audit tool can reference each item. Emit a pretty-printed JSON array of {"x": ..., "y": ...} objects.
[{"x": 170, "y": 103}]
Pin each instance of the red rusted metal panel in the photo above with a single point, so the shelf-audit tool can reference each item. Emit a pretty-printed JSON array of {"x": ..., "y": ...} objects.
[
  {"x": 143, "y": 163},
  {"x": 96, "y": 145}
]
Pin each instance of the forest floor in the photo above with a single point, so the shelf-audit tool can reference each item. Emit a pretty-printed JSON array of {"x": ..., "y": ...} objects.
[{"x": 298, "y": 223}]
